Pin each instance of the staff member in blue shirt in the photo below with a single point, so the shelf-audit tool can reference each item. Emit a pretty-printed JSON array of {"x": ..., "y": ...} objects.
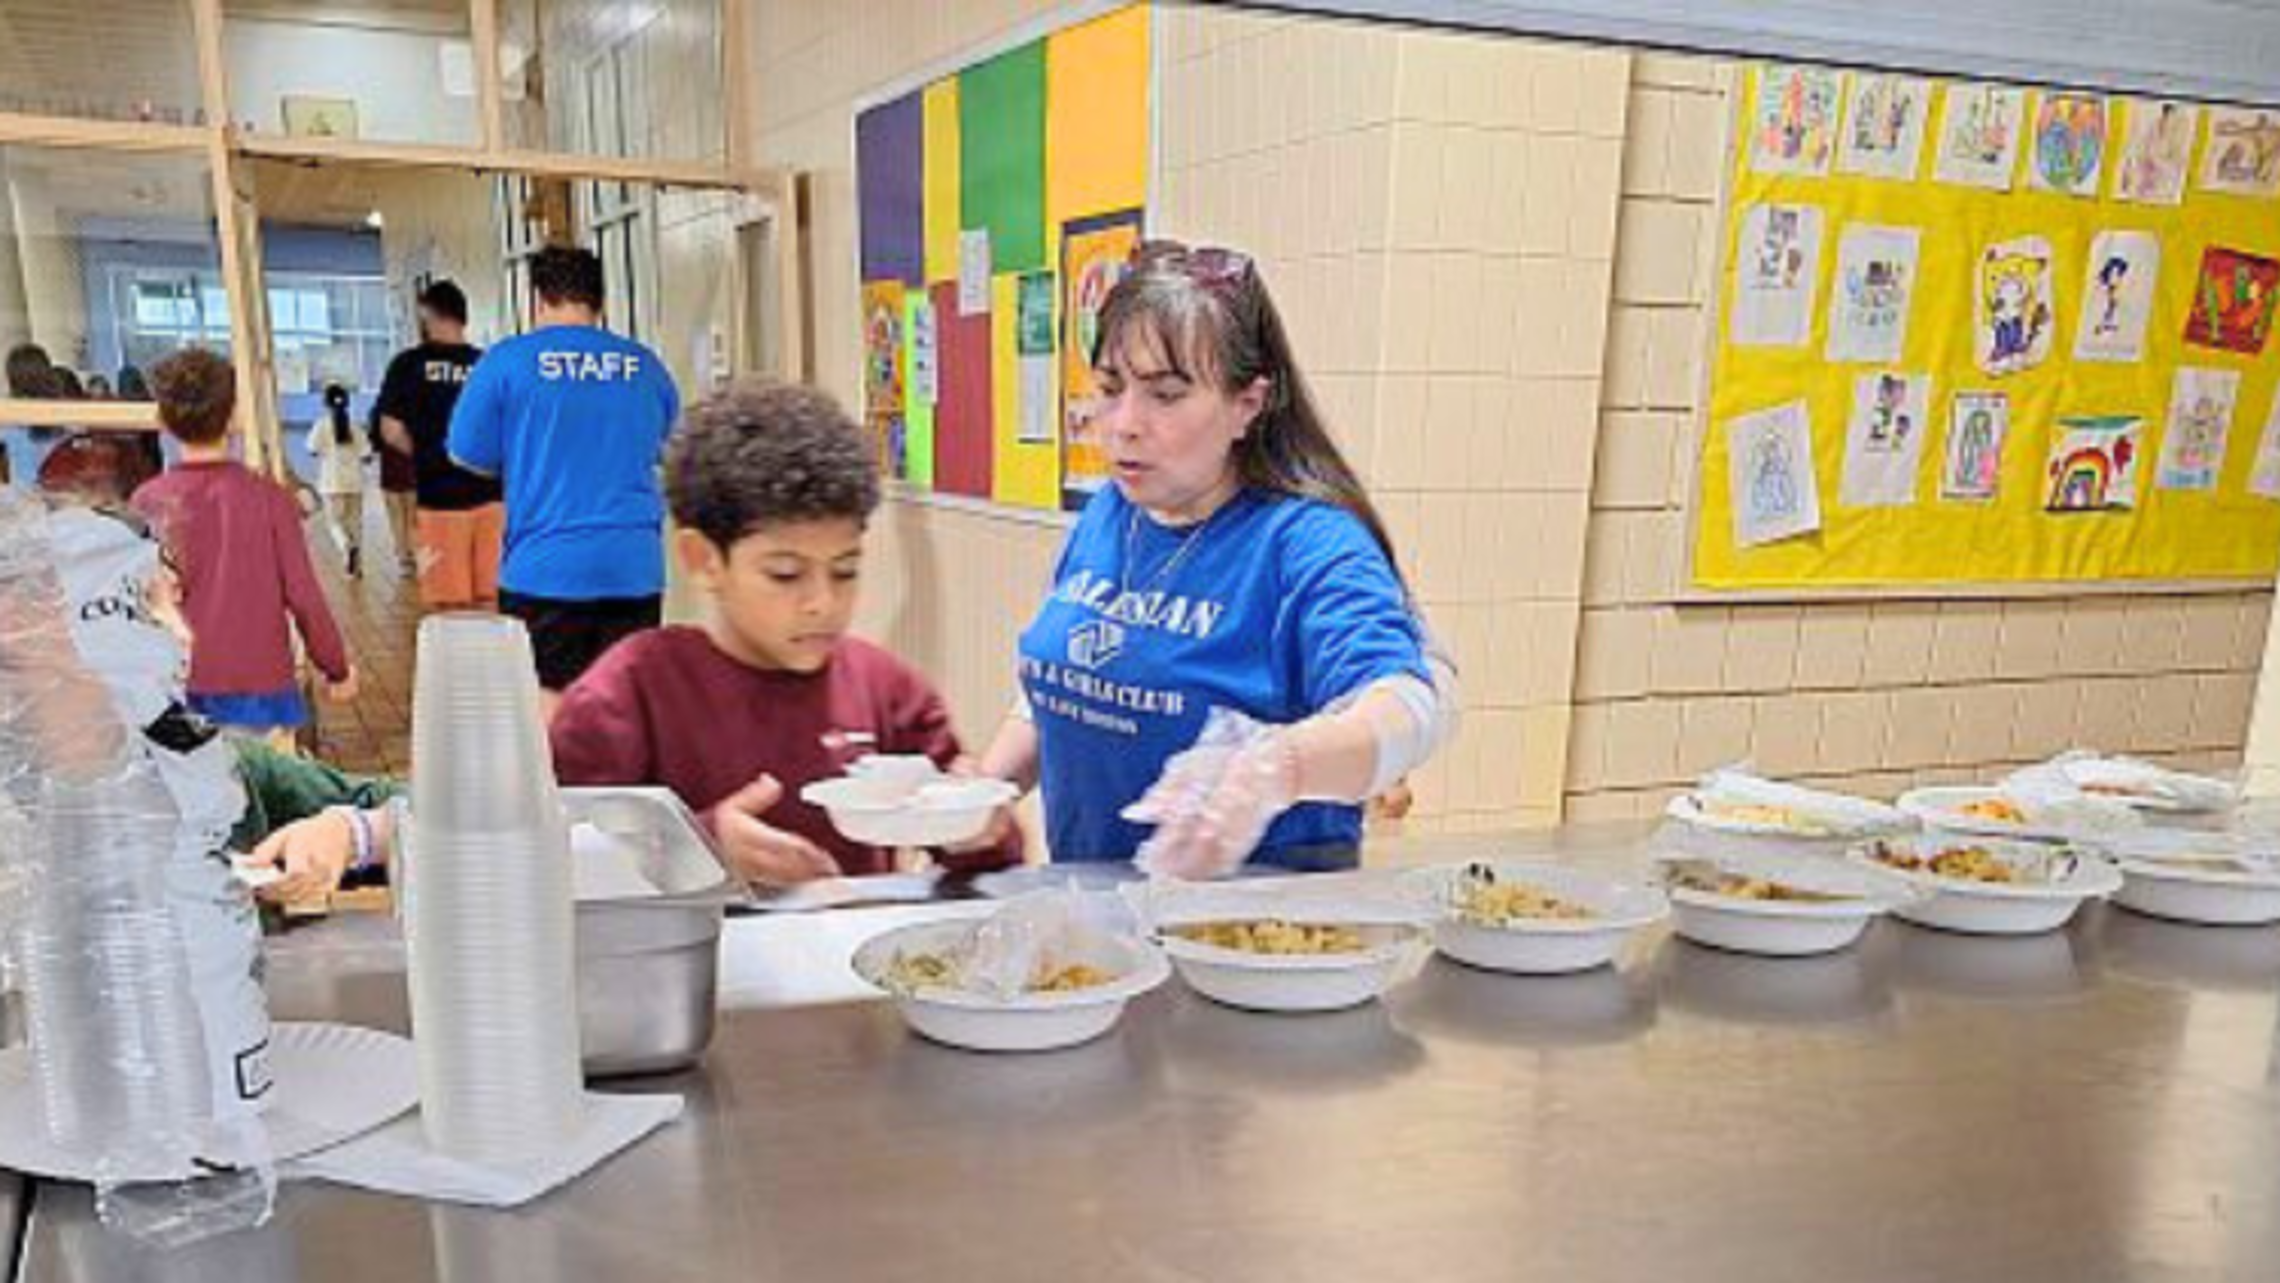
[
  {"x": 572, "y": 420},
  {"x": 1234, "y": 573}
]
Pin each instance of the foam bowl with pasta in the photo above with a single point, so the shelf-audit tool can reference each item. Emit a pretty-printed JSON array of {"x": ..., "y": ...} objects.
[
  {"x": 1067, "y": 1002},
  {"x": 1261, "y": 962},
  {"x": 1774, "y": 906},
  {"x": 1534, "y": 919},
  {"x": 1988, "y": 886}
]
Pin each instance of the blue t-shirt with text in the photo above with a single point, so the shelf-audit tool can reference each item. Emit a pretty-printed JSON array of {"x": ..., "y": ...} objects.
[
  {"x": 572, "y": 420},
  {"x": 1275, "y": 607}
]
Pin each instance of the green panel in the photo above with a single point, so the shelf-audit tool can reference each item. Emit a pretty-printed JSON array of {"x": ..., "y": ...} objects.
[{"x": 1001, "y": 180}]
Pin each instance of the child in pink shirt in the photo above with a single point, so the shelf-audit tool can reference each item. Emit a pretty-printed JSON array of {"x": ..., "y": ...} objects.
[{"x": 243, "y": 560}]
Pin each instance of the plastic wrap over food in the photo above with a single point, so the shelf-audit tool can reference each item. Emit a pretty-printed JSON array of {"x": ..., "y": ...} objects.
[
  {"x": 1040, "y": 943},
  {"x": 1734, "y": 800},
  {"x": 2133, "y": 782},
  {"x": 2052, "y": 801}
]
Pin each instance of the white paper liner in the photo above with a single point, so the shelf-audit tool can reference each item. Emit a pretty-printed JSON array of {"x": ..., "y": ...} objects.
[{"x": 398, "y": 1160}]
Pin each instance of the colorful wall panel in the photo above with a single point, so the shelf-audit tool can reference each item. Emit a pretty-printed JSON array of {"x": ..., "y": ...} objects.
[{"x": 969, "y": 190}]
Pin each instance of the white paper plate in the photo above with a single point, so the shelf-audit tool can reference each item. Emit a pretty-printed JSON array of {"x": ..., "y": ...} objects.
[
  {"x": 847, "y": 893},
  {"x": 1543, "y": 946},
  {"x": 978, "y": 1022},
  {"x": 333, "y": 1083},
  {"x": 1996, "y": 908},
  {"x": 1299, "y": 982},
  {"x": 1786, "y": 928},
  {"x": 2158, "y": 880}
]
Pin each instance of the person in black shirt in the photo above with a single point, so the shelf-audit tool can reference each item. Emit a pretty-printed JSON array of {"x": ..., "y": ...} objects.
[{"x": 460, "y": 517}]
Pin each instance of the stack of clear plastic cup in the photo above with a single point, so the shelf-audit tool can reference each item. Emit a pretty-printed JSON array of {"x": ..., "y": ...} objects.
[
  {"x": 487, "y": 901},
  {"x": 117, "y": 1049}
]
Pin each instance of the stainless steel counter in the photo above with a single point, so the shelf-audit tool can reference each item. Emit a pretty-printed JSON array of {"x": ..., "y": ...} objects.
[{"x": 2095, "y": 1105}]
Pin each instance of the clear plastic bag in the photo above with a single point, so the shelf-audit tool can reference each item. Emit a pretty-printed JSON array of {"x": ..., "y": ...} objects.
[{"x": 1036, "y": 936}]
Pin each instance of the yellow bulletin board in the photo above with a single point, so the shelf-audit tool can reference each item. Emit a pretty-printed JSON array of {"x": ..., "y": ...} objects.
[{"x": 1960, "y": 397}]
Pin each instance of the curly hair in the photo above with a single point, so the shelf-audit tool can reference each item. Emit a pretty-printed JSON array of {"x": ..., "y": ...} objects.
[
  {"x": 197, "y": 394},
  {"x": 760, "y": 453}
]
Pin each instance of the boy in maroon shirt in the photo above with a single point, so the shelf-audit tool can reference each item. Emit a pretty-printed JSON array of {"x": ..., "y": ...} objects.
[
  {"x": 772, "y": 486},
  {"x": 238, "y": 546}
]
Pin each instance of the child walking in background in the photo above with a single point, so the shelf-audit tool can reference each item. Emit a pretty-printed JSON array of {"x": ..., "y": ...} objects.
[
  {"x": 243, "y": 561},
  {"x": 341, "y": 453}
]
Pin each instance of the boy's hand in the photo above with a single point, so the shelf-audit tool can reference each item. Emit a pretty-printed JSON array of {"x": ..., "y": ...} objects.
[
  {"x": 344, "y": 691},
  {"x": 313, "y": 854},
  {"x": 761, "y": 852}
]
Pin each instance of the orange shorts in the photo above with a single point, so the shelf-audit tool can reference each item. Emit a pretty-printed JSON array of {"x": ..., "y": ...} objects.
[{"x": 459, "y": 556}]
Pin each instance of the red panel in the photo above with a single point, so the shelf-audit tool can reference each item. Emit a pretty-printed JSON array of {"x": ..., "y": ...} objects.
[{"x": 963, "y": 417}]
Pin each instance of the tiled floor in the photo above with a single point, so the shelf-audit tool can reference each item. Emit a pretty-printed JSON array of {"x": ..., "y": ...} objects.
[{"x": 380, "y": 613}]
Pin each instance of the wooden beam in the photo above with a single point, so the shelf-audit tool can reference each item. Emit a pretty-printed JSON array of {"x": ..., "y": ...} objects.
[
  {"x": 99, "y": 416},
  {"x": 240, "y": 249},
  {"x": 736, "y": 80},
  {"x": 101, "y": 135},
  {"x": 490, "y": 107},
  {"x": 538, "y": 164},
  {"x": 791, "y": 274}
]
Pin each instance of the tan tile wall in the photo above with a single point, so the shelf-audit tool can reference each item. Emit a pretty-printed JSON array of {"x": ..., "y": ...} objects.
[
  {"x": 1872, "y": 697},
  {"x": 1437, "y": 215}
]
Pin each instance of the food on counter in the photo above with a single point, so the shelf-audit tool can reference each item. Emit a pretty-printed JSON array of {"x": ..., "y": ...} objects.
[
  {"x": 1477, "y": 897},
  {"x": 912, "y": 972},
  {"x": 1274, "y": 936},
  {"x": 1764, "y": 814},
  {"x": 1736, "y": 886},
  {"x": 1964, "y": 863},
  {"x": 1998, "y": 809},
  {"x": 1070, "y": 979}
]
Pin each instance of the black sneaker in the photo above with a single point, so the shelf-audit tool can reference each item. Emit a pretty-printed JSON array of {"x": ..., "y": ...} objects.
[{"x": 356, "y": 563}]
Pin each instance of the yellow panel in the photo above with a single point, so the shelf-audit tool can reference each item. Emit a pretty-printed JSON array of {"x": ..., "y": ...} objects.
[
  {"x": 940, "y": 110},
  {"x": 2227, "y": 532},
  {"x": 1096, "y": 117},
  {"x": 1025, "y": 474}
]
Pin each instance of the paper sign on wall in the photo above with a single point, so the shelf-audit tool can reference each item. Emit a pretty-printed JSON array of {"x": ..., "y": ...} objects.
[
  {"x": 1770, "y": 470},
  {"x": 2156, "y": 152},
  {"x": 1794, "y": 130},
  {"x": 2243, "y": 157},
  {"x": 1884, "y": 126},
  {"x": 925, "y": 347},
  {"x": 1977, "y": 424},
  {"x": 2264, "y": 480},
  {"x": 1884, "y": 439},
  {"x": 2067, "y": 153},
  {"x": 1979, "y": 136},
  {"x": 2233, "y": 301},
  {"x": 2200, "y": 419},
  {"x": 1774, "y": 270},
  {"x": 2012, "y": 306},
  {"x": 1868, "y": 307},
  {"x": 2093, "y": 464},
  {"x": 2117, "y": 300},
  {"x": 974, "y": 271}
]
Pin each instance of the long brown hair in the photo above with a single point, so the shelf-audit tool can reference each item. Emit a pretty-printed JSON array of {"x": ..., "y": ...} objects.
[{"x": 1208, "y": 312}]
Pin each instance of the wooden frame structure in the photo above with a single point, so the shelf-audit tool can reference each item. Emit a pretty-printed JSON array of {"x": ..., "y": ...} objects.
[{"x": 229, "y": 154}]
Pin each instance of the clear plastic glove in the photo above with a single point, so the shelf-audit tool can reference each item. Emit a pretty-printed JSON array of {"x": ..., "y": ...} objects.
[{"x": 1214, "y": 802}]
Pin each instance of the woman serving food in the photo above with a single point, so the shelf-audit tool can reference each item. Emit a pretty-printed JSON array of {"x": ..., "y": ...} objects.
[{"x": 1228, "y": 663}]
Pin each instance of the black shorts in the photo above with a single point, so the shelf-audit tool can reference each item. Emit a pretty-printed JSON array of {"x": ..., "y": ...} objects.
[{"x": 568, "y": 636}]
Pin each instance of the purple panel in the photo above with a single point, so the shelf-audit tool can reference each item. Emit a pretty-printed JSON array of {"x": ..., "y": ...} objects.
[{"x": 890, "y": 184}]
